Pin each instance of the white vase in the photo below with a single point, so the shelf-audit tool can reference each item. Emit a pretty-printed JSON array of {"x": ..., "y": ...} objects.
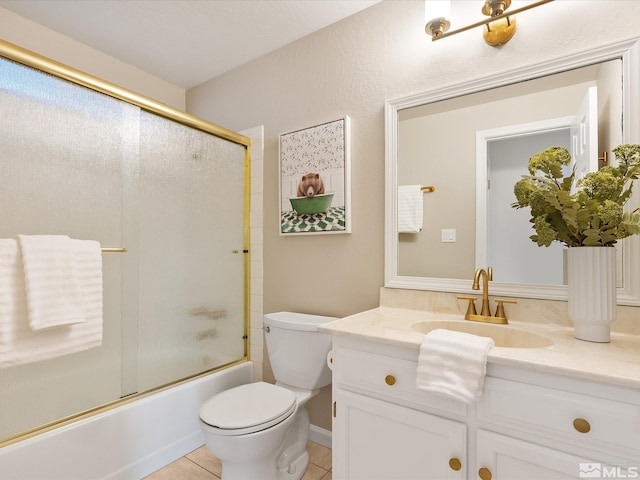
[{"x": 591, "y": 278}]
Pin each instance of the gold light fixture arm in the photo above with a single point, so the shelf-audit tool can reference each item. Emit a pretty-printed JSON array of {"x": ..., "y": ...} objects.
[{"x": 489, "y": 20}]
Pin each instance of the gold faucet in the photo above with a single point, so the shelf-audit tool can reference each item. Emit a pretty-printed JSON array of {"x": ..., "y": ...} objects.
[
  {"x": 486, "y": 276},
  {"x": 485, "y": 312}
]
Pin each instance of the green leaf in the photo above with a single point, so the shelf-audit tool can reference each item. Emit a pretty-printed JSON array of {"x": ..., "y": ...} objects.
[{"x": 583, "y": 212}]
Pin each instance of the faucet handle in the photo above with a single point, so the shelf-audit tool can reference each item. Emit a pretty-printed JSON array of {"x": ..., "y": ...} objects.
[
  {"x": 500, "y": 310},
  {"x": 471, "y": 308}
]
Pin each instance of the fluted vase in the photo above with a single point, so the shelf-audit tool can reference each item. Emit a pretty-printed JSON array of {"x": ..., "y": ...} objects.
[{"x": 591, "y": 278}]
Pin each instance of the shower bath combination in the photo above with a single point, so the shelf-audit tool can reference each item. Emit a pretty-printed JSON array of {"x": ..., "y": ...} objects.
[{"x": 118, "y": 168}]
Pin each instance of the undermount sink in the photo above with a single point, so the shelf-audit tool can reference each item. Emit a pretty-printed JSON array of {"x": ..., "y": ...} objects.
[{"x": 502, "y": 335}]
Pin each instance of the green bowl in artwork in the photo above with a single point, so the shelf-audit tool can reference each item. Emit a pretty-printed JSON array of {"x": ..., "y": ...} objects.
[{"x": 309, "y": 206}]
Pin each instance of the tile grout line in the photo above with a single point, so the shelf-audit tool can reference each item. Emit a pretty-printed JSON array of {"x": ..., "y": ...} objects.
[{"x": 202, "y": 467}]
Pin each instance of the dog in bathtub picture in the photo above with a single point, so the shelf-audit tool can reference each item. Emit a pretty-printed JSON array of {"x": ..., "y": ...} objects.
[{"x": 311, "y": 198}]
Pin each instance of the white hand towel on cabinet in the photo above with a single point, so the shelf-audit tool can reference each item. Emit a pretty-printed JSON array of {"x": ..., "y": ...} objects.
[
  {"x": 51, "y": 279},
  {"x": 453, "y": 364},
  {"x": 19, "y": 344},
  {"x": 410, "y": 208}
]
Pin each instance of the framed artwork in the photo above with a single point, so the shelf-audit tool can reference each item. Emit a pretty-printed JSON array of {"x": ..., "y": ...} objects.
[{"x": 315, "y": 180}]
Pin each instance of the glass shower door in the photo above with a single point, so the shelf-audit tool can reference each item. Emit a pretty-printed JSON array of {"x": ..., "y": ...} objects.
[
  {"x": 191, "y": 299},
  {"x": 84, "y": 164}
]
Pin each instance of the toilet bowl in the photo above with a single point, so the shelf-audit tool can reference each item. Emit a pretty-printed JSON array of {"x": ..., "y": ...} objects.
[{"x": 260, "y": 430}]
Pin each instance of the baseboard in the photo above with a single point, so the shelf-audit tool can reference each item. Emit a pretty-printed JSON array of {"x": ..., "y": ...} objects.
[{"x": 320, "y": 435}]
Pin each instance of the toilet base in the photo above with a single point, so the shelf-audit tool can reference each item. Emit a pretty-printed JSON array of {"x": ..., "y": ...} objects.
[
  {"x": 242, "y": 471},
  {"x": 293, "y": 460},
  {"x": 264, "y": 470},
  {"x": 296, "y": 468}
]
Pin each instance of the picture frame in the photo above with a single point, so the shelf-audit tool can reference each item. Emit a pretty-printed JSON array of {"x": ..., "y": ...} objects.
[{"x": 315, "y": 179}]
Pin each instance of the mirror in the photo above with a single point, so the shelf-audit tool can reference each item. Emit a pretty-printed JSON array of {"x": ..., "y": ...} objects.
[{"x": 486, "y": 130}]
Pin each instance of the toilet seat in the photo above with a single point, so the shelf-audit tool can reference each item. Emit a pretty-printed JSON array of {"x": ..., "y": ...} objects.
[{"x": 248, "y": 408}]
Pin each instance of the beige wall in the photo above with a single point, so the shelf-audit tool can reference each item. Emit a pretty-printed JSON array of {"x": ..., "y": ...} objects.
[
  {"x": 351, "y": 68},
  {"x": 32, "y": 36}
]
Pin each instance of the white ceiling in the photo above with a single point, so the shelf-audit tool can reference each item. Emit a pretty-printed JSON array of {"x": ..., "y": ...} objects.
[{"x": 186, "y": 42}]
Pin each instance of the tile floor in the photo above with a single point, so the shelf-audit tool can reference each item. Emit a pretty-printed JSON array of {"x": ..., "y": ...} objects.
[{"x": 201, "y": 464}]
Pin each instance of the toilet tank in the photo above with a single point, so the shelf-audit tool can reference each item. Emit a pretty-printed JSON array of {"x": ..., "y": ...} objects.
[{"x": 297, "y": 350}]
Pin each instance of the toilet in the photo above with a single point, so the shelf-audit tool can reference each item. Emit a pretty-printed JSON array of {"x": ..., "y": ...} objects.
[{"x": 260, "y": 430}]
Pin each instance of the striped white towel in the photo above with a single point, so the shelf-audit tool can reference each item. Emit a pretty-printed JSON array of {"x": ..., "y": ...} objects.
[
  {"x": 51, "y": 278},
  {"x": 19, "y": 344},
  {"x": 453, "y": 364},
  {"x": 410, "y": 208}
]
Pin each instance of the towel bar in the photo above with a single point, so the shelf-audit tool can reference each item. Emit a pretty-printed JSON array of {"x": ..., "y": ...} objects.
[
  {"x": 113, "y": 250},
  {"x": 428, "y": 188}
]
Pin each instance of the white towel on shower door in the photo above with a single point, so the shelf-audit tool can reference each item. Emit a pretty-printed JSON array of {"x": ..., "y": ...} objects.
[
  {"x": 54, "y": 297},
  {"x": 19, "y": 344}
]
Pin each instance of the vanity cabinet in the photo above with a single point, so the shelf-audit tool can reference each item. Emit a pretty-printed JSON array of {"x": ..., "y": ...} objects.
[
  {"x": 383, "y": 441},
  {"x": 512, "y": 459},
  {"x": 527, "y": 425}
]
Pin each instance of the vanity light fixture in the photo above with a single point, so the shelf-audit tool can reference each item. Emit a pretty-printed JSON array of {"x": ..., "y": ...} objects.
[
  {"x": 438, "y": 23},
  {"x": 498, "y": 29}
]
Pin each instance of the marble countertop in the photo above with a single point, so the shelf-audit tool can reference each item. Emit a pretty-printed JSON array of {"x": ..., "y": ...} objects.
[{"x": 616, "y": 363}]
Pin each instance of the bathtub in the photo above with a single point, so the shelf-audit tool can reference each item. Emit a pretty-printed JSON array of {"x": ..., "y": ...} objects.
[{"x": 127, "y": 442}]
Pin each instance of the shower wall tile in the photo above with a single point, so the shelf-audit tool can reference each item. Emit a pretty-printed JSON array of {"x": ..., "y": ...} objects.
[
  {"x": 255, "y": 220},
  {"x": 256, "y": 242},
  {"x": 256, "y": 182},
  {"x": 257, "y": 351},
  {"x": 256, "y": 337},
  {"x": 256, "y": 287},
  {"x": 256, "y": 319}
]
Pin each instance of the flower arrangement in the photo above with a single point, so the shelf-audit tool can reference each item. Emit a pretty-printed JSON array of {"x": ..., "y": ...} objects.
[{"x": 587, "y": 212}]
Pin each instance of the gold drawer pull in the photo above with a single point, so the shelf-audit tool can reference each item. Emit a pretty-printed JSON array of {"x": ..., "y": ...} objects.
[
  {"x": 484, "y": 473},
  {"x": 390, "y": 380},
  {"x": 455, "y": 464},
  {"x": 581, "y": 425}
]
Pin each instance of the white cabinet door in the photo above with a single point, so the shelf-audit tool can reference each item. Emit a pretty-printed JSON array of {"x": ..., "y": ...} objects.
[
  {"x": 507, "y": 458},
  {"x": 376, "y": 440}
]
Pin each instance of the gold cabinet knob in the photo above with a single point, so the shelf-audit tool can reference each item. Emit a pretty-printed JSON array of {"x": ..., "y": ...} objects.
[
  {"x": 390, "y": 380},
  {"x": 581, "y": 425},
  {"x": 455, "y": 464},
  {"x": 484, "y": 473}
]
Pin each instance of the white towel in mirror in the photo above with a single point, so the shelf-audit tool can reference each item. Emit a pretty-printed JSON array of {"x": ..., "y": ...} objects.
[{"x": 410, "y": 208}]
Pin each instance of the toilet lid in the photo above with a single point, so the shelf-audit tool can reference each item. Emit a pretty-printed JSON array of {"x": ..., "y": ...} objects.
[{"x": 248, "y": 408}]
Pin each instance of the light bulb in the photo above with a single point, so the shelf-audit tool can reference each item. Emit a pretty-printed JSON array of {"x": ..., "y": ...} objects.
[
  {"x": 436, "y": 9},
  {"x": 436, "y": 13}
]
